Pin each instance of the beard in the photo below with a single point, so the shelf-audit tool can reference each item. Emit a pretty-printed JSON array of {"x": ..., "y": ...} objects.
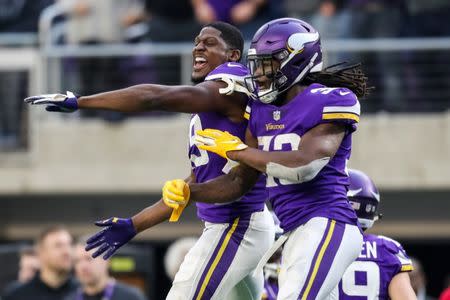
[{"x": 197, "y": 80}]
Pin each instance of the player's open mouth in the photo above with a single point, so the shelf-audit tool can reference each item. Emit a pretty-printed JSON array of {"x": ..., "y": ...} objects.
[
  {"x": 199, "y": 63},
  {"x": 262, "y": 84}
]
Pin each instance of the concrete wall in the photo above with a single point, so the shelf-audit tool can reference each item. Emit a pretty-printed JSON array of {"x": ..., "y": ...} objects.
[{"x": 69, "y": 155}]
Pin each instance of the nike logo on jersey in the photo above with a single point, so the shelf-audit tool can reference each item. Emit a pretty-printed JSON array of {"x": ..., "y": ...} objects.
[
  {"x": 343, "y": 93},
  {"x": 352, "y": 193}
]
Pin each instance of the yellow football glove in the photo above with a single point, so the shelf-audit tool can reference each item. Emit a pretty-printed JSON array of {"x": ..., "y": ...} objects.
[
  {"x": 176, "y": 194},
  {"x": 219, "y": 142}
]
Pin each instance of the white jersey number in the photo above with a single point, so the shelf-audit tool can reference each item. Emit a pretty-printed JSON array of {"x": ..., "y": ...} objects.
[
  {"x": 370, "y": 271},
  {"x": 203, "y": 159},
  {"x": 291, "y": 139}
]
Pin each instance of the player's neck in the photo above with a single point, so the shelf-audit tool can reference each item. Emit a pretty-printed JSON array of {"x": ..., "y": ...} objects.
[
  {"x": 53, "y": 279},
  {"x": 290, "y": 94}
]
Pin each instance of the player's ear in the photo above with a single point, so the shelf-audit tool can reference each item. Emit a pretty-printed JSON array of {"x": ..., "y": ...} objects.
[{"x": 234, "y": 55}]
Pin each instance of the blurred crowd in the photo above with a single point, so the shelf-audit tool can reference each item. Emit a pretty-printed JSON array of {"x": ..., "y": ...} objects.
[
  {"x": 57, "y": 268},
  {"x": 179, "y": 20},
  {"x": 94, "y": 22}
]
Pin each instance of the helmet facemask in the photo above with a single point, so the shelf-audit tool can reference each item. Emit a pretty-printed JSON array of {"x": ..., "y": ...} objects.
[
  {"x": 265, "y": 69},
  {"x": 366, "y": 209},
  {"x": 278, "y": 68}
]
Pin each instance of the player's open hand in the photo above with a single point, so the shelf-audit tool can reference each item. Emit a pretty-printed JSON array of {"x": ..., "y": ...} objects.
[
  {"x": 219, "y": 142},
  {"x": 117, "y": 233},
  {"x": 55, "y": 102},
  {"x": 176, "y": 194}
]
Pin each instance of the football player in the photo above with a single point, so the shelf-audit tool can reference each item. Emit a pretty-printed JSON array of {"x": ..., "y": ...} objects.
[
  {"x": 299, "y": 133},
  {"x": 380, "y": 271},
  {"x": 237, "y": 234}
]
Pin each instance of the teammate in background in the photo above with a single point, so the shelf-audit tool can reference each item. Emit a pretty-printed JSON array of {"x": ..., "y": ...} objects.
[
  {"x": 302, "y": 124},
  {"x": 380, "y": 271},
  {"x": 237, "y": 233}
]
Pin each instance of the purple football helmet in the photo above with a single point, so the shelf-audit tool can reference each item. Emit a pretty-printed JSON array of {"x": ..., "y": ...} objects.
[
  {"x": 294, "y": 45},
  {"x": 364, "y": 197}
]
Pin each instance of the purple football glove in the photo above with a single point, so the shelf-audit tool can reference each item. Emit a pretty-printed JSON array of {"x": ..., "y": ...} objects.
[
  {"x": 55, "y": 102},
  {"x": 117, "y": 233}
]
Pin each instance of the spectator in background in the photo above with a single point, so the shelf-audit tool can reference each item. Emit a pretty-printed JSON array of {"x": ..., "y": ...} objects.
[
  {"x": 93, "y": 22},
  {"x": 18, "y": 16},
  {"x": 329, "y": 17},
  {"x": 54, "y": 281},
  {"x": 96, "y": 284},
  {"x": 21, "y": 15},
  {"x": 101, "y": 21},
  {"x": 373, "y": 19},
  {"x": 301, "y": 9},
  {"x": 28, "y": 266},
  {"x": 427, "y": 19},
  {"x": 419, "y": 281},
  {"x": 247, "y": 15},
  {"x": 170, "y": 21}
]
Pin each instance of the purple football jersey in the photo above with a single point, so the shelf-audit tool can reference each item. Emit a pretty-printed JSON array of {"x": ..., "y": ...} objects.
[
  {"x": 207, "y": 165},
  {"x": 368, "y": 277},
  {"x": 281, "y": 128}
]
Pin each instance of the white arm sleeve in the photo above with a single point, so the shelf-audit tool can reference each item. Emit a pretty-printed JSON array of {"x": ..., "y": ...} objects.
[{"x": 298, "y": 174}]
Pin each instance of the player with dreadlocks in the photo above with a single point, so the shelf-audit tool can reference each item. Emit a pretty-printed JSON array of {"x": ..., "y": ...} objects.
[{"x": 299, "y": 135}]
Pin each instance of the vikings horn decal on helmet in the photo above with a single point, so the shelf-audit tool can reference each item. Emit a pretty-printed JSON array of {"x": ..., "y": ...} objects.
[
  {"x": 364, "y": 198},
  {"x": 294, "y": 44}
]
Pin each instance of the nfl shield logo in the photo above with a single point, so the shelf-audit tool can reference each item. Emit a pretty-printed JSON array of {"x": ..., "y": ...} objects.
[{"x": 277, "y": 115}]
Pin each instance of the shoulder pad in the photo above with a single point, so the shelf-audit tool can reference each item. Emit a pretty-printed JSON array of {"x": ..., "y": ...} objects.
[
  {"x": 396, "y": 249},
  {"x": 335, "y": 104}
]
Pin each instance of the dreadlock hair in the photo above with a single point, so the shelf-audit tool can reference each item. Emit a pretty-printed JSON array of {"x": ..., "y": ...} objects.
[
  {"x": 342, "y": 75},
  {"x": 230, "y": 34}
]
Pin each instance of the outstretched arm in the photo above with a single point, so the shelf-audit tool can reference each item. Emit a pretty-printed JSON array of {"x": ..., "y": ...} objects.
[
  {"x": 205, "y": 96},
  {"x": 118, "y": 231},
  {"x": 400, "y": 288},
  {"x": 146, "y": 97}
]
